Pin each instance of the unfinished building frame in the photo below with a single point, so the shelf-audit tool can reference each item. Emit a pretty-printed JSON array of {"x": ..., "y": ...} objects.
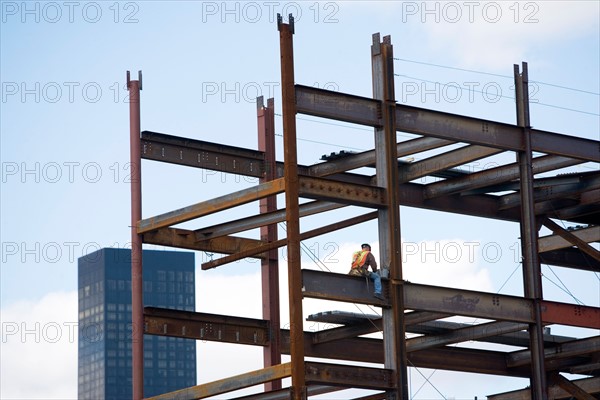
[{"x": 407, "y": 308}]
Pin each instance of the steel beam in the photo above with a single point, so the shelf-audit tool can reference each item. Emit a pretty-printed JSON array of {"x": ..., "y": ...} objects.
[
  {"x": 200, "y": 154},
  {"x": 555, "y": 242},
  {"x": 497, "y": 175},
  {"x": 579, "y": 347},
  {"x": 570, "y": 258},
  {"x": 581, "y": 245},
  {"x": 183, "y": 238},
  {"x": 229, "y": 384},
  {"x": 394, "y": 342},
  {"x": 571, "y": 387},
  {"x": 341, "y": 107},
  {"x": 211, "y": 206},
  {"x": 365, "y": 111},
  {"x": 274, "y": 217},
  {"x": 341, "y": 287},
  {"x": 137, "y": 299},
  {"x": 590, "y": 385},
  {"x": 252, "y": 252},
  {"x": 349, "y": 376},
  {"x": 230, "y": 329},
  {"x": 209, "y": 327},
  {"x": 444, "y": 161},
  {"x": 561, "y": 189},
  {"x": 268, "y": 233},
  {"x": 532, "y": 275},
  {"x": 570, "y": 314},
  {"x": 292, "y": 192},
  {"x": 367, "y": 158},
  {"x": 475, "y": 332},
  {"x": 347, "y": 193}
]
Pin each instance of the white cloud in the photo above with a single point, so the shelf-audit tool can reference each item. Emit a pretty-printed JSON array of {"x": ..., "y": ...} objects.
[
  {"x": 487, "y": 35},
  {"x": 39, "y": 348}
]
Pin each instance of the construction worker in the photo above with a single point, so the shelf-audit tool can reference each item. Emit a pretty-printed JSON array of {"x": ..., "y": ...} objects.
[{"x": 361, "y": 261}]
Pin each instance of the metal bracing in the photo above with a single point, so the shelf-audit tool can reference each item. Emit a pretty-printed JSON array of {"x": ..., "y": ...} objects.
[{"x": 511, "y": 191}]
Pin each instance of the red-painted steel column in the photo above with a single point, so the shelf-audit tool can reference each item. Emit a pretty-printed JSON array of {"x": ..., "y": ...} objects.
[
  {"x": 137, "y": 302},
  {"x": 288, "y": 93},
  {"x": 532, "y": 274},
  {"x": 269, "y": 266}
]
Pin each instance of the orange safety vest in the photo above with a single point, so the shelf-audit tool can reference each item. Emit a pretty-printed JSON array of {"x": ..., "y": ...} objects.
[{"x": 359, "y": 258}]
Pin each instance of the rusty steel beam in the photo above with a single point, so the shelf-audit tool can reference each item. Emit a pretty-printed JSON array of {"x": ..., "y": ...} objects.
[
  {"x": 347, "y": 193},
  {"x": 282, "y": 242},
  {"x": 267, "y": 218},
  {"x": 475, "y": 332},
  {"x": 284, "y": 394},
  {"x": 573, "y": 186},
  {"x": 590, "y": 385},
  {"x": 268, "y": 233},
  {"x": 183, "y": 238},
  {"x": 341, "y": 287},
  {"x": 328, "y": 104},
  {"x": 137, "y": 299},
  {"x": 367, "y": 158},
  {"x": 496, "y": 175},
  {"x": 532, "y": 276},
  {"x": 444, "y": 161},
  {"x": 211, "y": 206},
  {"x": 229, "y": 384},
  {"x": 587, "y": 346},
  {"x": 209, "y": 327},
  {"x": 365, "y": 111},
  {"x": 348, "y": 376},
  {"x": 292, "y": 194},
  {"x": 570, "y": 258},
  {"x": 574, "y": 240},
  {"x": 230, "y": 329},
  {"x": 570, "y": 314},
  {"x": 200, "y": 154},
  {"x": 519, "y": 339},
  {"x": 393, "y": 326},
  {"x": 570, "y": 387},
  {"x": 555, "y": 242}
]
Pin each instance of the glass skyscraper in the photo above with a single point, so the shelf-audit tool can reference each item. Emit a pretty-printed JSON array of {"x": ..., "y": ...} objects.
[{"x": 104, "y": 357}]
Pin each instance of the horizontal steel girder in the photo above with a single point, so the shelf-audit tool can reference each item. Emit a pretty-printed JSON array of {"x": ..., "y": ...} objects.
[
  {"x": 203, "y": 326},
  {"x": 211, "y": 206},
  {"x": 341, "y": 287},
  {"x": 231, "y": 329},
  {"x": 555, "y": 242},
  {"x": 185, "y": 239},
  {"x": 230, "y": 384},
  {"x": 200, "y": 154},
  {"x": 366, "y": 111},
  {"x": 590, "y": 385},
  {"x": 348, "y": 376},
  {"x": 346, "y": 193}
]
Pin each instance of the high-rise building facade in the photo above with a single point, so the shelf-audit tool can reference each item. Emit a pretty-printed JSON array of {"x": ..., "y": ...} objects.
[{"x": 105, "y": 329}]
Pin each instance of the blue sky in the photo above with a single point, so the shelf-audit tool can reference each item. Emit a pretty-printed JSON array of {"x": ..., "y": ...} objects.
[{"x": 65, "y": 147}]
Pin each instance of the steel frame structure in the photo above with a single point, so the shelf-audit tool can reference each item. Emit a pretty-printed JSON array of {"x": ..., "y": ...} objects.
[{"x": 407, "y": 308}]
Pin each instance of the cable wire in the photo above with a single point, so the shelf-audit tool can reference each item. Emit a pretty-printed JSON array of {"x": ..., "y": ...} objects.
[
  {"x": 500, "y": 95},
  {"x": 492, "y": 74}
]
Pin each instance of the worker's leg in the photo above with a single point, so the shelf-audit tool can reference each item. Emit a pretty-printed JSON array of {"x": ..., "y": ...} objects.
[{"x": 376, "y": 281}]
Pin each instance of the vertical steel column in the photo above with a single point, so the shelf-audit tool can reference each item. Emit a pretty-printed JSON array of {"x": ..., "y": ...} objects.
[
  {"x": 532, "y": 276},
  {"x": 269, "y": 266},
  {"x": 290, "y": 172},
  {"x": 137, "y": 301},
  {"x": 389, "y": 218}
]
